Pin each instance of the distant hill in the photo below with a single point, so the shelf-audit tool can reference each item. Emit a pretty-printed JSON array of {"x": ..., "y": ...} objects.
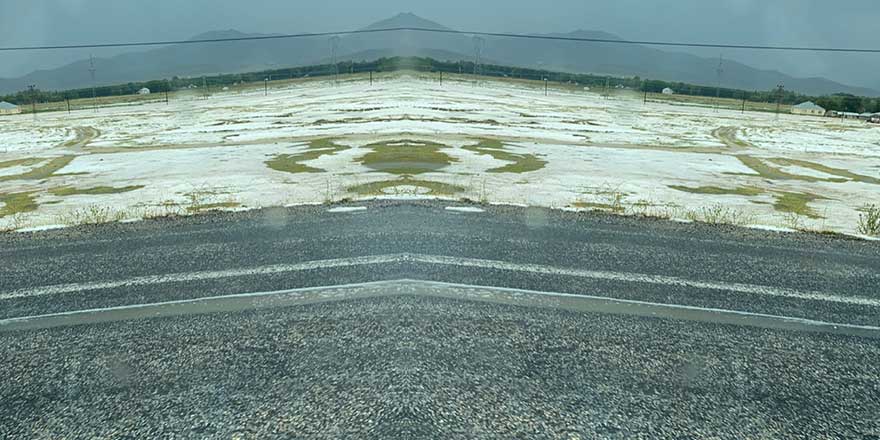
[{"x": 597, "y": 58}]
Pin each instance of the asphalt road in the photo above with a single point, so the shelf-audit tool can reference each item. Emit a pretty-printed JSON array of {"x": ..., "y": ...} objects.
[{"x": 608, "y": 327}]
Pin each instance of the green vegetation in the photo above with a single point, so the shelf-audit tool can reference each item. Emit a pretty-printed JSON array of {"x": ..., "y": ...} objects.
[
  {"x": 98, "y": 190},
  {"x": 714, "y": 190},
  {"x": 522, "y": 163},
  {"x": 728, "y": 136},
  {"x": 719, "y": 215},
  {"x": 20, "y": 162},
  {"x": 16, "y": 203},
  {"x": 732, "y": 98},
  {"x": 42, "y": 172},
  {"x": 772, "y": 173},
  {"x": 869, "y": 220},
  {"x": 213, "y": 206},
  {"x": 796, "y": 203},
  {"x": 292, "y": 163},
  {"x": 602, "y": 206},
  {"x": 826, "y": 169},
  {"x": 382, "y": 187},
  {"x": 406, "y": 157}
]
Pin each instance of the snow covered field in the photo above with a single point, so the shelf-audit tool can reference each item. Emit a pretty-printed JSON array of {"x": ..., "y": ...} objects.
[{"x": 407, "y": 136}]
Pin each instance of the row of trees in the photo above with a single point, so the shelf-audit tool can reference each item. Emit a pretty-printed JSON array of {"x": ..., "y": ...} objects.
[{"x": 839, "y": 102}]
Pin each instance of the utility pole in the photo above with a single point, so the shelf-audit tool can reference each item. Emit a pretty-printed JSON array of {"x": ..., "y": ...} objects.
[
  {"x": 780, "y": 89},
  {"x": 334, "y": 46},
  {"x": 32, "y": 88},
  {"x": 371, "y": 78},
  {"x": 92, "y": 72},
  {"x": 266, "y": 86},
  {"x": 744, "y": 103},
  {"x": 167, "y": 87},
  {"x": 545, "y": 86},
  {"x": 719, "y": 71},
  {"x": 441, "y": 78},
  {"x": 68, "y": 105}
]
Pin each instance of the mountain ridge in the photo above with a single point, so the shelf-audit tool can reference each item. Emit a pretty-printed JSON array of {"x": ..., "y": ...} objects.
[{"x": 595, "y": 58}]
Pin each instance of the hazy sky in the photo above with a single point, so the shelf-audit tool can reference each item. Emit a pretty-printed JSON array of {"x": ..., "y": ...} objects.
[{"x": 853, "y": 23}]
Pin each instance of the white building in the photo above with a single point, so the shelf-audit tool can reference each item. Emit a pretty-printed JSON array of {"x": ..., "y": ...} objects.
[
  {"x": 668, "y": 91},
  {"x": 8, "y": 109},
  {"x": 808, "y": 108},
  {"x": 144, "y": 91}
]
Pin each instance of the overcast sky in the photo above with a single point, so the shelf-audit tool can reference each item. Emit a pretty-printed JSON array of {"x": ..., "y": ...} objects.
[{"x": 853, "y": 23}]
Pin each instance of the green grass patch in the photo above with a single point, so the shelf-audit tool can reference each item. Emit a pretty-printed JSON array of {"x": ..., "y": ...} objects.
[
  {"x": 772, "y": 173},
  {"x": 797, "y": 203},
  {"x": 42, "y": 172},
  {"x": 714, "y": 190},
  {"x": 17, "y": 203},
  {"x": 406, "y": 158},
  {"x": 381, "y": 188},
  {"x": 292, "y": 163},
  {"x": 213, "y": 206},
  {"x": 20, "y": 162},
  {"x": 602, "y": 206},
  {"x": 97, "y": 190},
  {"x": 521, "y": 163},
  {"x": 826, "y": 169}
]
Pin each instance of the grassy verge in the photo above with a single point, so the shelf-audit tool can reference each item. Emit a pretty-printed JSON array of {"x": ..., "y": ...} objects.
[
  {"x": 97, "y": 190},
  {"x": 714, "y": 190},
  {"x": 42, "y": 172},
  {"x": 406, "y": 157},
  {"x": 381, "y": 188},
  {"x": 17, "y": 203},
  {"x": 292, "y": 163},
  {"x": 522, "y": 163},
  {"x": 826, "y": 169},
  {"x": 772, "y": 173}
]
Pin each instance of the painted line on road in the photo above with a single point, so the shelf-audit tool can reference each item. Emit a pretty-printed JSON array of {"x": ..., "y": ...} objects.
[
  {"x": 346, "y": 209},
  {"x": 201, "y": 276},
  {"x": 499, "y": 295},
  {"x": 466, "y": 209},
  {"x": 628, "y": 277}
]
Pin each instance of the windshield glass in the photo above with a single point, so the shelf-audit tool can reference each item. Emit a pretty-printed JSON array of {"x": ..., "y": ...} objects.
[{"x": 395, "y": 219}]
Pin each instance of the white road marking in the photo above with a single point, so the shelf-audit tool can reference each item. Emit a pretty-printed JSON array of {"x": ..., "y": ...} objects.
[
  {"x": 464, "y": 209},
  {"x": 345, "y": 209},
  {"x": 424, "y": 288},
  {"x": 661, "y": 280},
  {"x": 200, "y": 276}
]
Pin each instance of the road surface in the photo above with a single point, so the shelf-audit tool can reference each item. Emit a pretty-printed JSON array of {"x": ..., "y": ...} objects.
[{"x": 475, "y": 322}]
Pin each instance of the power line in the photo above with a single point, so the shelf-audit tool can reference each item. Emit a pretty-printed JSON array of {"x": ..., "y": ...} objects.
[{"x": 448, "y": 31}]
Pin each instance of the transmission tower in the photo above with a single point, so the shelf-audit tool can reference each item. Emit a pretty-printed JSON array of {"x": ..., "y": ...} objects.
[
  {"x": 780, "y": 91},
  {"x": 32, "y": 89},
  {"x": 334, "y": 48},
  {"x": 92, "y": 72},
  {"x": 478, "y": 56},
  {"x": 720, "y": 72}
]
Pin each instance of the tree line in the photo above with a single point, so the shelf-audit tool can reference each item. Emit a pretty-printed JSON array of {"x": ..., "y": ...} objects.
[{"x": 838, "y": 102}]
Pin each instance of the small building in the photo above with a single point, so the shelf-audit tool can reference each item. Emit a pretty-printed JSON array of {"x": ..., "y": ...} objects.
[
  {"x": 866, "y": 116},
  {"x": 668, "y": 91},
  {"x": 8, "y": 109},
  {"x": 808, "y": 108},
  {"x": 144, "y": 91},
  {"x": 848, "y": 115}
]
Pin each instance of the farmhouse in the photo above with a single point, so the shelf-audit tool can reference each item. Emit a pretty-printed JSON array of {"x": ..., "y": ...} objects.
[
  {"x": 8, "y": 109},
  {"x": 668, "y": 91},
  {"x": 144, "y": 91},
  {"x": 808, "y": 108}
]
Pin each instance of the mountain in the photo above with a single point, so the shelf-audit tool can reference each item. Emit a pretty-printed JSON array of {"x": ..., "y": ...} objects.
[{"x": 597, "y": 58}]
